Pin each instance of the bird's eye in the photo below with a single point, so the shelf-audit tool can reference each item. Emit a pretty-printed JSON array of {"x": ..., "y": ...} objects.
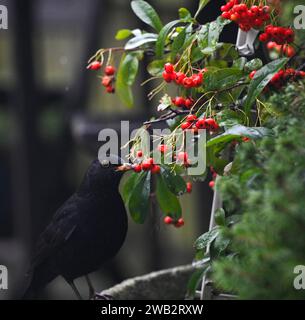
[{"x": 105, "y": 163}]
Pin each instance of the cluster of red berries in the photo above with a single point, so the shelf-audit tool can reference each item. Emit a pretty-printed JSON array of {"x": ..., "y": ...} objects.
[
  {"x": 183, "y": 102},
  {"x": 286, "y": 49},
  {"x": 282, "y": 77},
  {"x": 146, "y": 165},
  {"x": 279, "y": 35},
  {"x": 192, "y": 122},
  {"x": 247, "y": 18},
  {"x": 177, "y": 223},
  {"x": 170, "y": 75},
  {"x": 108, "y": 79}
]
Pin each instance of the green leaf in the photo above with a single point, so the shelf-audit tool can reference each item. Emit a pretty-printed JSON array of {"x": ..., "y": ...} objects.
[
  {"x": 195, "y": 280},
  {"x": 128, "y": 185},
  {"x": 222, "y": 78},
  {"x": 128, "y": 69},
  {"x": 203, "y": 241},
  {"x": 138, "y": 202},
  {"x": 125, "y": 94},
  {"x": 178, "y": 43},
  {"x": 140, "y": 40},
  {"x": 254, "y": 64},
  {"x": 202, "y": 4},
  {"x": 261, "y": 79},
  {"x": 168, "y": 202},
  {"x": 162, "y": 37},
  {"x": 218, "y": 163},
  {"x": 238, "y": 131},
  {"x": 240, "y": 63},
  {"x": 155, "y": 68},
  {"x": 228, "y": 52},
  {"x": 123, "y": 34},
  {"x": 209, "y": 34},
  {"x": 219, "y": 246},
  {"x": 174, "y": 181},
  {"x": 220, "y": 217},
  {"x": 197, "y": 55},
  {"x": 147, "y": 14},
  {"x": 233, "y": 219},
  {"x": 123, "y": 89},
  {"x": 166, "y": 102}
]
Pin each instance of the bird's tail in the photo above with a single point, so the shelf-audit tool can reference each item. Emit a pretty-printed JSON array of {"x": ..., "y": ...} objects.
[{"x": 38, "y": 279}]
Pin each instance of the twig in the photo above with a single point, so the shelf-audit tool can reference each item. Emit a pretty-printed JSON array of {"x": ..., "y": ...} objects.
[{"x": 170, "y": 115}]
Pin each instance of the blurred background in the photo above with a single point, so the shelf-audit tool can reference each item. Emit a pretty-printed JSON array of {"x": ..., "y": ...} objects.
[{"x": 51, "y": 110}]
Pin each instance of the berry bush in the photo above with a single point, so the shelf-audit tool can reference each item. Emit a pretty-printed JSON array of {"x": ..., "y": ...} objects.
[{"x": 230, "y": 96}]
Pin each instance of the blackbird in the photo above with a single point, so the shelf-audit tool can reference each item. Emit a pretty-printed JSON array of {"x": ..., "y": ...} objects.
[{"x": 86, "y": 231}]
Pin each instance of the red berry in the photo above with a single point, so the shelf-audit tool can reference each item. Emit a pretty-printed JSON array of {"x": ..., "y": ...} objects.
[
  {"x": 183, "y": 156},
  {"x": 252, "y": 74},
  {"x": 188, "y": 82},
  {"x": 179, "y": 101},
  {"x": 263, "y": 37},
  {"x": 168, "y": 220},
  {"x": 271, "y": 45},
  {"x": 191, "y": 118},
  {"x": 226, "y": 15},
  {"x": 189, "y": 103},
  {"x": 212, "y": 124},
  {"x": 185, "y": 125},
  {"x": 95, "y": 65},
  {"x": 179, "y": 223},
  {"x": 258, "y": 22},
  {"x": 235, "y": 17},
  {"x": 169, "y": 68},
  {"x": 139, "y": 154},
  {"x": 137, "y": 168},
  {"x": 266, "y": 9},
  {"x": 201, "y": 124},
  {"x": 109, "y": 70},
  {"x": 110, "y": 89},
  {"x": 289, "y": 51},
  {"x": 189, "y": 187},
  {"x": 197, "y": 79},
  {"x": 289, "y": 33},
  {"x": 212, "y": 184},
  {"x": 155, "y": 169},
  {"x": 162, "y": 148},
  {"x": 255, "y": 9},
  {"x": 246, "y": 139},
  {"x": 180, "y": 76},
  {"x": 167, "y": 76},
  {"x": 147, "y": 165},
  {"x": 302, "y": 74},
  {"x": 106, "y": 81},
  {"x": 269, "y": 29}
]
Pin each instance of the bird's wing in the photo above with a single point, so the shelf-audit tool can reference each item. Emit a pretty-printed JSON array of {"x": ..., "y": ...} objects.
[{"x": 58, "y": 231}]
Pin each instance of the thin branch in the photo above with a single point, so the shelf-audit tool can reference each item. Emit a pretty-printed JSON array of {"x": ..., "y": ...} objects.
[{"x": 168, "y": 116}]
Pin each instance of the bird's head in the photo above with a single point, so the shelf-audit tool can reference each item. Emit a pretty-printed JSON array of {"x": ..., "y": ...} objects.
[{"x": 104, "y": 172}]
